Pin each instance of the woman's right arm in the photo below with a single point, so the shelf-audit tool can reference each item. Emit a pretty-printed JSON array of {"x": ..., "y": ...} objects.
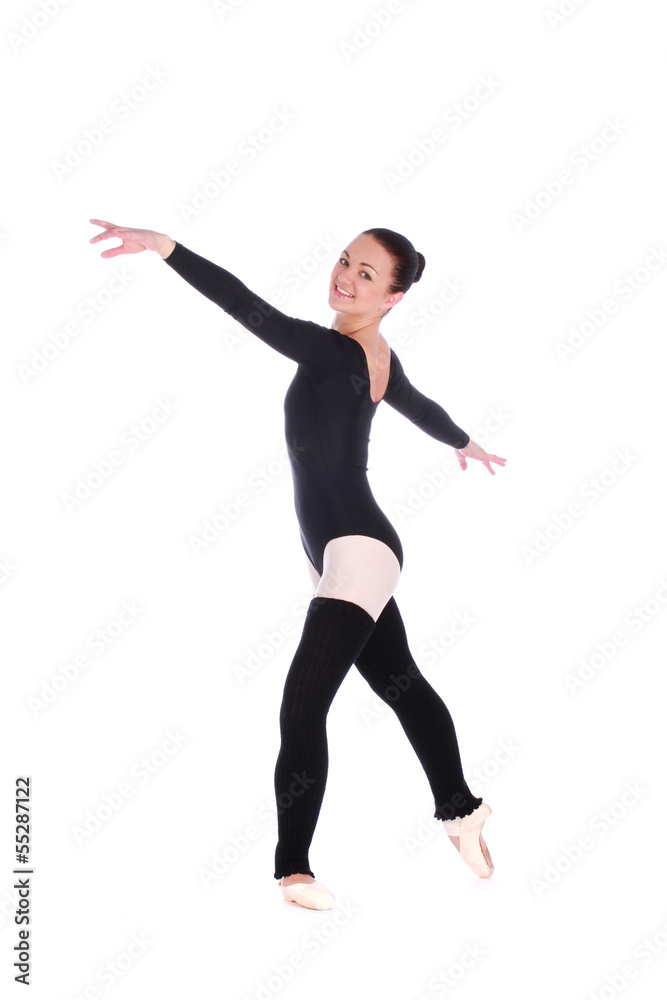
[{"x": 304, "y": 342}]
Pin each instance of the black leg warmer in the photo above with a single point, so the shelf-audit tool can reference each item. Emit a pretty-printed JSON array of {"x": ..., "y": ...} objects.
[
  {"x": 334, "y": 632},
  {"x": 388, "y": 666}
]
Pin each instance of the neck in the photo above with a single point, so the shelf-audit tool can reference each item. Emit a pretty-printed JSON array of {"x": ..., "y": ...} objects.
[{"x": 366, "y": 328}]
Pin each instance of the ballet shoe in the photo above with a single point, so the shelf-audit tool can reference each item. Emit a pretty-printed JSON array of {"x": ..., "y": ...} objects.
[
  {"x": 466, "y": 835},
  {"x": 314, "y": 895}
]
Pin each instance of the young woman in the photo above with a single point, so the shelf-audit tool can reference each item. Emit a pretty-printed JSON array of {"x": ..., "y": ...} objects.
[{"x": 353, "y": 552}]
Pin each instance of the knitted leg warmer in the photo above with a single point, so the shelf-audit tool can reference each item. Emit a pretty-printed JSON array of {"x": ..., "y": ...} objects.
[
  {"x": 334, "y": 633},
  {"x": 388, "y": 665}
]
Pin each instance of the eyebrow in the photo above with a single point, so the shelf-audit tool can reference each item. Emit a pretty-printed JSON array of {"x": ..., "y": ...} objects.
[{"x": 364, "y": 263}]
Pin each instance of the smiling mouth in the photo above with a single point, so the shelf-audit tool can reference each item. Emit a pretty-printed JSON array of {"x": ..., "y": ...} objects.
[{"x": 339, "y": 291}]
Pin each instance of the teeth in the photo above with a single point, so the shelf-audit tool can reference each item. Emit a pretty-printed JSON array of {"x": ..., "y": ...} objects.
[{"x": 343, "y": 292}]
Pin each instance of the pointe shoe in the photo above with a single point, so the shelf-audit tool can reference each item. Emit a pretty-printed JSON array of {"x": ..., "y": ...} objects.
[
  {"x": 314, "y": 895},
  {"x": 466, "y": 835}
]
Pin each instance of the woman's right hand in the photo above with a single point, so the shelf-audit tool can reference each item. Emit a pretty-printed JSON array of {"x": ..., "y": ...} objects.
[
  {"x": 473, "y": 450},
  {"x": 133, "y": 240}
]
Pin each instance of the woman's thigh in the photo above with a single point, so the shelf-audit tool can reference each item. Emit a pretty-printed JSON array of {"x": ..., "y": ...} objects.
[
  {"x": 314, "y": 575},
  {"x": 359, "y": 569}
]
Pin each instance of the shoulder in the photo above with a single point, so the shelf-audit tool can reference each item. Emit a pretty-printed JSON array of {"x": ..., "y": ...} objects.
[
  {"x": 396, "y": 369},
  {"x": 327, "y": 336},
  {"x": 398, "y": 385},
  {"x": 326, "y": 349}
]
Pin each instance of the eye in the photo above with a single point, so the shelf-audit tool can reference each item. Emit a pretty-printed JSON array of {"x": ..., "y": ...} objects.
[{"x": 343, "y": 260}]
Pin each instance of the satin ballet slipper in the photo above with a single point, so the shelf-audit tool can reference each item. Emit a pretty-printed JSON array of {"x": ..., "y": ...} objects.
[
  {"x": 466, "y": 835},
  {"x": 314, "y": 895}
]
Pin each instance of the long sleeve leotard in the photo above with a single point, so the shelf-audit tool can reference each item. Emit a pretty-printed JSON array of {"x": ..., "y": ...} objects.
[{"x": 328, "y": 410}]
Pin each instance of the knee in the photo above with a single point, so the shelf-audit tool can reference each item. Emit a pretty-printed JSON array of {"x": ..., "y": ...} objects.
[
  {"x": 403, "y": 677},
  {"x": 301, "y": 716}
]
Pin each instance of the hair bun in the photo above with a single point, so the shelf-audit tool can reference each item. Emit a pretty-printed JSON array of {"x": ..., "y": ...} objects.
[{"x": 421, "y": 264}]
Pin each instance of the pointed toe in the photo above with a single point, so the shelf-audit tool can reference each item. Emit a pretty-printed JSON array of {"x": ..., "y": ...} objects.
[
  {"x": 466, "y": 835},
  {"x": 314, "y": 895}
]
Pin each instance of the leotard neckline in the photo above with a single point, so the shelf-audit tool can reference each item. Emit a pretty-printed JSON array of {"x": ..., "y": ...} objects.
[{"x": 375, "y": 402}]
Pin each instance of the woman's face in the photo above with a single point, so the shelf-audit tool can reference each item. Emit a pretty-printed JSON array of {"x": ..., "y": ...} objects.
[{"x": 363, "y": 271}]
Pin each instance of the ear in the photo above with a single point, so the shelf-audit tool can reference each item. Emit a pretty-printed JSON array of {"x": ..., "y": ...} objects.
[{"x": 392, "y": 300}]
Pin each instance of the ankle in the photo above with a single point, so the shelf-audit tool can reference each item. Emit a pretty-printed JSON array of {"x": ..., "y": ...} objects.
[
  {"x": 452, "y": 826},
  {"x": 299, "y": 877}
]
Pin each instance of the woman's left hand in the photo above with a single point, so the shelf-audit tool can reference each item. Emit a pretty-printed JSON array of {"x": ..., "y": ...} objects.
[{"x": 473, "y": 450}]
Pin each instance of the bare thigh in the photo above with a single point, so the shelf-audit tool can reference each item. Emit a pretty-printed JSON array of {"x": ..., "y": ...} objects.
[{"x": 359, "y": 569}]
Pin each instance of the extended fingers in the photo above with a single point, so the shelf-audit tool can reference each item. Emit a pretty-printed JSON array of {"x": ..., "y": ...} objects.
[
  {"x": 493, "y": 458},
  {"x": 109, "y": 227},
  {"x": 107, "y": 234},
  {"x": 112, "y": 231}
]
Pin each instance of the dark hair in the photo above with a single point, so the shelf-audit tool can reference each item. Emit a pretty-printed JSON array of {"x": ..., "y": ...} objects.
[{"x": 408, "y": 262}]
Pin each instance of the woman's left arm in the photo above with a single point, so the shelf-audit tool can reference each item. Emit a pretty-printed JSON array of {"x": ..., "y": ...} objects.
[{"x": 430, "y": 417}]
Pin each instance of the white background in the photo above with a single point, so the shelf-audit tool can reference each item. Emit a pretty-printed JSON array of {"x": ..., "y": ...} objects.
[{"x": 364, "y": 86}]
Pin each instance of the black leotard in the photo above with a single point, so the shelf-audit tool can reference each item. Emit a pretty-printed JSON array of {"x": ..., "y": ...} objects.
[{"x": 328, "y": 410}]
